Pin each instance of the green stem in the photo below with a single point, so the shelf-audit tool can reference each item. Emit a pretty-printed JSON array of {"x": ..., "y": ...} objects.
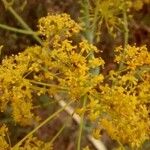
[
  {"x": 3, "y": 26},
  {"x": 88, "y": 33},
  {"x": 126, "y": 34},
  {"x": 40, "y": 125},
  {"x": 9, "y": 141},
  {"x": 58, "y": 133},
  {"x": 47, "y": 84},
  {"x": 121, "y": 145},
  {"x": 95, "y": 19},
  {"x": 44, "y": 105},
  {"x": 126, "y": 30},
  {"x": 86, "y": 20},
  {"x": 20, "y": 20},
  {"x": 81, "y": 125}
]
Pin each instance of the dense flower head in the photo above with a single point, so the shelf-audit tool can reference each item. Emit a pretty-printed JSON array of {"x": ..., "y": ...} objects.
[
  {"x": 125, "y": 98},
  {"x": 37, "y": 70},
  {"x": 126, "y": 118},
  {"x": 118, "y": 102},
  {"x": 58, "y": 25},
  {"x": 133, "y": 56},
  {"x": 11, "y": 74},
  {"x": 122, "y": 102}
]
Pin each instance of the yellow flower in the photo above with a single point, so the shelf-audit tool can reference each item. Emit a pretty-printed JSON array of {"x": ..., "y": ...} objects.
[
  {"x": 94, "y": 115},
  {"x": 95, "y": 62},
  {"x": 61, "y": 25},
  {"x": 138, "y": 4},
  {"x": 3, "y": 143},
  {"x": 133, "y": 56},
  {"x": 35, "y": 144},
  {"x": 96, "y": 133},
  {"x": 86, "y": 47}
]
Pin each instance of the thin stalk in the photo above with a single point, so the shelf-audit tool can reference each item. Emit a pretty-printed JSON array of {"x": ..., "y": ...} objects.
[
  {"x": 45, "y": 104},
  {"x": 9, "y": 141},
  {"x": 3, "y": 26},
  {"x": 86, "y": 20},
  {"x": 40, "y": 125},
  {"x": 126, "y": 33},
  {"x": 47, "y": 84},
  {"x": 120, "y": 144},
  {"x": 81, "y": 125},
  {"x": 126, "y": 30},
  {"x": 1, "y": 50},
  {"x": 20, "y": 20},
  {"x": 58, "y": 133},
  {"x": 95, "y": 19},
  {"x": 88, "y": 33}
]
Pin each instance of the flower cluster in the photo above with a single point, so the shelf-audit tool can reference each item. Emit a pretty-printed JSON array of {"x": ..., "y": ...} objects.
[
  {"x": 126, "y": 116},
  {"x": 112, "y": 14},
  {"x": 132, "y": 56},
  {"x": 35, "y": 144},
  {"x": 58, "y": 27},
  {"x": 48, "y": 69},
  {"x": 125, "y": 97},
  {"x": 138, "y": 4},
  {"x": 118, "y": 102},
  {"x": 15, "y": 89},
  {"x": 3, "y": 142}
]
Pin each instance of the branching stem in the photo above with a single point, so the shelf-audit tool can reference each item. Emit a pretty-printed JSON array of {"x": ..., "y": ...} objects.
[
  {"x": 126, "y": 30},
  {"x": 126, "y": 33},
  {"x": 3, "y": 26},
  {"x": 81, "y": 125},
  {"x": 40, "y": 125},
  {"x": 20, "y": 20}
]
